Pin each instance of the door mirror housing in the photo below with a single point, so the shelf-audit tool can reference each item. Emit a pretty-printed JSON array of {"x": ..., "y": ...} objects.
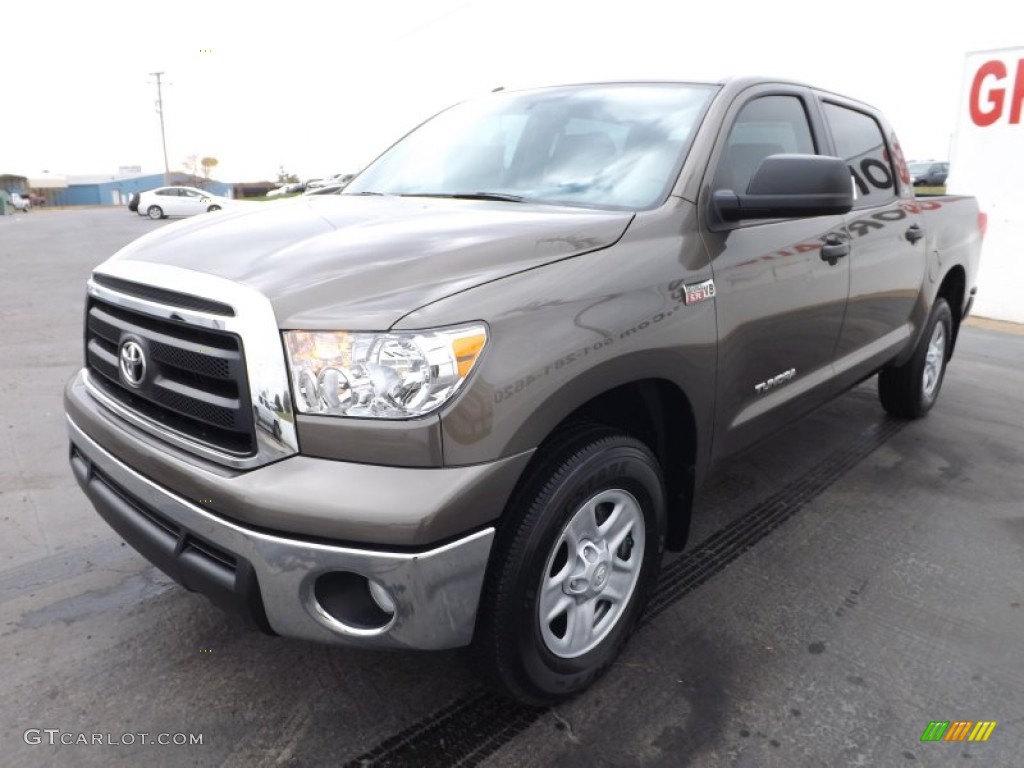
[{"x": 790, "y": 186}]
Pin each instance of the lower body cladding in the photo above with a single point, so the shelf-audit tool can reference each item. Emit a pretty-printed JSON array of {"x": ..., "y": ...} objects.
[{"x": 302, "y": 589}]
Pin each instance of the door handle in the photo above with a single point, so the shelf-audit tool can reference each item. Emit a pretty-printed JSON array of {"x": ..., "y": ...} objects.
[
  {"x": 834, "y": 249},
  {"x": 915, "y": 233}
]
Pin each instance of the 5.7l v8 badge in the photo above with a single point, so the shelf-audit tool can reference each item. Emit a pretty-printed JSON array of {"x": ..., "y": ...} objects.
[{"x": 697, "y": 292}]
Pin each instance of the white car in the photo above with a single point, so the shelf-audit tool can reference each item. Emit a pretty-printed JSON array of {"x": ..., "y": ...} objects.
[
  {"x": 179, "y": 201},
  {"x": 20, "y": 203}
]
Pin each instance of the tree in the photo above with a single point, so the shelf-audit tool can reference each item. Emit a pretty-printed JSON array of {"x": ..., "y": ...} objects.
[{"x": 208, "y": 163}]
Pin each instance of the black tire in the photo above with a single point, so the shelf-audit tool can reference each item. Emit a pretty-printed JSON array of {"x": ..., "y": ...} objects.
[
  {"x": 155, "y": 212},
  {"x": 910, "y": 390},
  {"x": 576, "y": 478},
  {"x": 213, "y": 208}
]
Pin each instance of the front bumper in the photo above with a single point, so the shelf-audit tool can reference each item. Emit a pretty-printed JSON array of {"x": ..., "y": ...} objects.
[
  {"x": 273, "y": 578},
  {"x": 383, "y": 507}
]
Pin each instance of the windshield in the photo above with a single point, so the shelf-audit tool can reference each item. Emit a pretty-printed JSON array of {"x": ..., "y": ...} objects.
[{"x": 605, "y": 146}]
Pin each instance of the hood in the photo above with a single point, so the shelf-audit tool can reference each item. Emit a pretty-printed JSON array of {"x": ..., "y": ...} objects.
[{"x": 361, "y": 263}]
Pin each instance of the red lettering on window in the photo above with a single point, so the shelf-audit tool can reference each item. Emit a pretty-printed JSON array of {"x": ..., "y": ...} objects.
[{"x": 901, "y": 161}]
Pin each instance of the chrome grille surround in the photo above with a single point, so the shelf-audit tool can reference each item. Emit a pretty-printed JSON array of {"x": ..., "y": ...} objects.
[{"x": 253, "y": 323}]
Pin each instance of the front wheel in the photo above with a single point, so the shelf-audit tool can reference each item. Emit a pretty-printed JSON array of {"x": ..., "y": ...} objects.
[
  {"x": 155, "y": 212},
  {"x": 572, "y": 567},
  {"x": 213, "y": 208},
  {"x": 910, "y": 390}
]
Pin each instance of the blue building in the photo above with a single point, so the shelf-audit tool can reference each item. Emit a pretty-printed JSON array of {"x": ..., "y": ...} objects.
[{"x": 118, "y": 190}]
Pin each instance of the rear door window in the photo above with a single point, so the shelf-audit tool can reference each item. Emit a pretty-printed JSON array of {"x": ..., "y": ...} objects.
[{"x": 860, "y": 142}]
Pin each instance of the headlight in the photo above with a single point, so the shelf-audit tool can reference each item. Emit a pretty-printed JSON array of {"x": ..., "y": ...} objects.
[{"x": 395, "y": 375}]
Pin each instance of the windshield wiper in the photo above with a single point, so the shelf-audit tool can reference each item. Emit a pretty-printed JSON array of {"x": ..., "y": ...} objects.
[{"x": 469, "y": 196}]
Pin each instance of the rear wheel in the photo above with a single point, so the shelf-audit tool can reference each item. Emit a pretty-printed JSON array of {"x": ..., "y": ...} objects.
[
  {"x": 213, "y": 208},
  {"x": 155, "y": 212},
  {"x": 572, "y": 567},
  {"x": 910, "y": 390}
]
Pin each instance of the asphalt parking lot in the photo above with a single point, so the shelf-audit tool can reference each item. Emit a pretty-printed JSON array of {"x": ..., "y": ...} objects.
[{"x": 844, "y": 586}]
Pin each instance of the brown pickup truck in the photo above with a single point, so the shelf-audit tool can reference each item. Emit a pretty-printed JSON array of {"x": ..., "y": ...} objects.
[{"x": 467, "y": 400}]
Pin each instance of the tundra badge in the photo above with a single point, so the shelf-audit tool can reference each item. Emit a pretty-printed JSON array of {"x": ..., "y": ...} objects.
[{"x": 774, "y": 381}]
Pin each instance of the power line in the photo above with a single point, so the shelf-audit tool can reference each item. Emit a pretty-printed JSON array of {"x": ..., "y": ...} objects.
[
  {"x": 163, "y": 134},
  {"x": 433, "y": 20}
]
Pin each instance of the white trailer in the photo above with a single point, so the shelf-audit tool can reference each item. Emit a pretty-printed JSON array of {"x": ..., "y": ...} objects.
[{"x": 987, "y": 160}]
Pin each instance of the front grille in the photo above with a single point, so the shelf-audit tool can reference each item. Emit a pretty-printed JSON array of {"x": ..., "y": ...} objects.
[
  {"x": 164, "y": 296},
  {"x": 195, "y": 381}
]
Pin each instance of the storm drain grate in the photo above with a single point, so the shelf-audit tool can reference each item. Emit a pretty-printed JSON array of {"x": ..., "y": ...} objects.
[
  {"x": 462, "y": 734},
  {"x": 717, "y": 551}
]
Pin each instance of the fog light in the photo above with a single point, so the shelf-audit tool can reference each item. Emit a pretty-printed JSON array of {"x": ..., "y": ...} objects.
[
  {"x": 353, "y": 604},
  {"x": 381, "y": 597}
]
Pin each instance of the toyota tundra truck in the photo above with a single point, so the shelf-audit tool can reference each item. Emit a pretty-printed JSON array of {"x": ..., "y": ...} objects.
[{"x": 467, "y": 400}]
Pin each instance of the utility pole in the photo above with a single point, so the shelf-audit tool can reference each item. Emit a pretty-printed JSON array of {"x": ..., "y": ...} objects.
[{"x": 163, "y": 134}]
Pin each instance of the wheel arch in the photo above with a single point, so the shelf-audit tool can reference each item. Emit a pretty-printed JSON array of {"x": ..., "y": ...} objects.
[
  {"x": 657, "y": 412},
  {"x": 953, "y": 289}
]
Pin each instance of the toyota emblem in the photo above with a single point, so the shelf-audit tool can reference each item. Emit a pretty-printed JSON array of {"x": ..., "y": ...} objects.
[{"x": 133, "y": 363}]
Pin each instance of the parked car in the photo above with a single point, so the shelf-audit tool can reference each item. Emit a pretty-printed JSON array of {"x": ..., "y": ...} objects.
[
  {"x": 133, "y": 203},
  {"x": 290, "y": 188},
  {"x": 329, "y": 186},
  {"x": 266, "y": 414},
  {"x": 178, "y": 201},
  {"x": 335, "y": 180},
  {"x": 20, "y": 203},
  {"x": 468, "y": 401},
  {"x": 329, "y": 189},
  {"x": 35, "y": 199},
  {"x": 929, "y": 174}
]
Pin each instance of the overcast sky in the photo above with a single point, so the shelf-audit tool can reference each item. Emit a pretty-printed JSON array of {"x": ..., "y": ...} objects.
[{"x": 321, "y": 87}]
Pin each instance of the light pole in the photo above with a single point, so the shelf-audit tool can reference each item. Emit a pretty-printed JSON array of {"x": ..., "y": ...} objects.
[{"x": 163, "y": 134}]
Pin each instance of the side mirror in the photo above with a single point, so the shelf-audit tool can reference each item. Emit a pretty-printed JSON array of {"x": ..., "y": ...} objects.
[{"x": 789, "y": 186}]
